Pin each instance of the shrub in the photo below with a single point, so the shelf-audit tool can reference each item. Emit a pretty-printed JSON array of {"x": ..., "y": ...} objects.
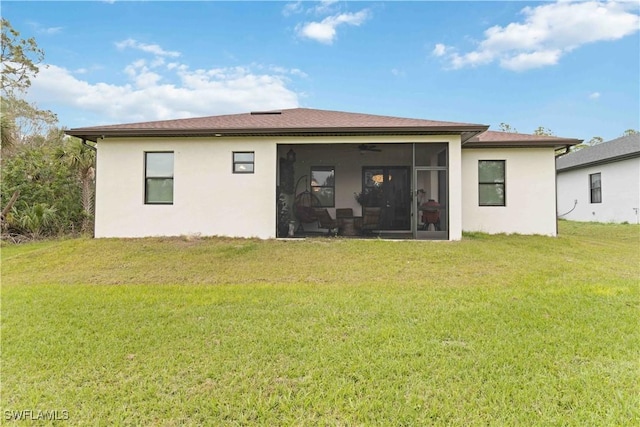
[{"x": 50, "y": 201}]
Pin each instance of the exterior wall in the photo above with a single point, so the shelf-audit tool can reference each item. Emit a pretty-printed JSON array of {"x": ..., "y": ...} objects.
[
  {"x": 208, "y": 198},
  {"x": 456, "y": 190},
  {"x": 530, "y": 192},
  {"x": 620, "y": 193}
]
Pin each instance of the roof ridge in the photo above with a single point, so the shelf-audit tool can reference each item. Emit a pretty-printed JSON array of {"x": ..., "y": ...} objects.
[
  {"x": 299, "y": 117},
  {"x": 493, "y": 136}
]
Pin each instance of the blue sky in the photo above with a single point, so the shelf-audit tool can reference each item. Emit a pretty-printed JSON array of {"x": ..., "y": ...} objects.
[{"x": 572, "y": 67}]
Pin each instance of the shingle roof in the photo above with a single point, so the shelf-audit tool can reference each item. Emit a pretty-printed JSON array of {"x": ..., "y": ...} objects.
[
  {"x": 506, "y": 139},
  {"x": 294, "y": 118},
  {"x": 312, "y": 122},
  {"x": 605, "y": 152},
  {"x": 281, "y": 122}
]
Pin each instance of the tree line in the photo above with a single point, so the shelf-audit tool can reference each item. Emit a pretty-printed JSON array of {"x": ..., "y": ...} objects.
[
  {"x": 541, "y": 130},
  {"x": 47, "y": 186}
]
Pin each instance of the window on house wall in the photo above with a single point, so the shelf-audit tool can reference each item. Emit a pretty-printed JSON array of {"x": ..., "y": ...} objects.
[
  {"x": 491, "y": 183},
  {"x": 243, "y": 162},
  {"x": 595, "y": 184},
  {"x": 158, "y": 176},
  {"x": 323, "y": 185}
]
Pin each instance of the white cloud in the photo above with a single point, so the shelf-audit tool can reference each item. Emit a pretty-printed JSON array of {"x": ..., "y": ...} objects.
[
  {"x": 525, "y": 61},
  {"x": 160, "y": 89},
  {"x": 439, "y": 49},
  {"x": 594, "y": 95},
  {"x": 292, "y": 8},
  {"x": 142, "y": 75},
  {"x": 149, "y": 48},
  {"x": 324, "y": 7},
  {"x": 148, "y": 95},
  {"x": 45, "y": 30},
  {"x": 50, "y": 30},
  {"x": 298, "y": 72},
  {"x": 325, "y": 30},
  {"x": 283, "y": 71},
  {"x": 548, "y": 32}
]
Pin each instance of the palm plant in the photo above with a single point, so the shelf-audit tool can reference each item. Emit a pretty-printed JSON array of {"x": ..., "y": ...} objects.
[
  {"x": 7, "y": 127},
  {"x": 81, "y": 159},
  {"x": 35, "y": 220}
]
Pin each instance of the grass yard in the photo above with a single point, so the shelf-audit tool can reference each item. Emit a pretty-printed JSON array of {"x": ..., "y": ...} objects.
[{"x": 491, "y": 330}]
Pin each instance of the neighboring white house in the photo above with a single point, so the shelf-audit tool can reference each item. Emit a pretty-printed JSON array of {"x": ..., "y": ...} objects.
[
  {"x": 268, "y": 174},
  {"x": 601, "y": 183}
]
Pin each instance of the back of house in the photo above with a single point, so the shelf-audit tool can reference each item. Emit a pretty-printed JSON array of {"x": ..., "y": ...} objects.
[{"x": 300, "y": 172}]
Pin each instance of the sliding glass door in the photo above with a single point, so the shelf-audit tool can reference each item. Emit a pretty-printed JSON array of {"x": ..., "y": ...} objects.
[{"x": 388, "y": 187}]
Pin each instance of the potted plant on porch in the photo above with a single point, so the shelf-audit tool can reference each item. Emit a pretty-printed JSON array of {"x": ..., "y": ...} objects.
[{"x": 370, "y": 199}]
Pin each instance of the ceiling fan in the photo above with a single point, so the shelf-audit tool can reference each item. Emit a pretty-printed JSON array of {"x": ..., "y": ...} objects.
[{"x": 368, "y": 147}]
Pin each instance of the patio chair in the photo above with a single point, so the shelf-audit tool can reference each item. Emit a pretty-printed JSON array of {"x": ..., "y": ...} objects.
[
  {"x": 325, "y": 221},
  {"x": 304, "y": 210}
]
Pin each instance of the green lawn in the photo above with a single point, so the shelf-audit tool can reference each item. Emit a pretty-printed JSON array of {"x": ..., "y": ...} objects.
[{"x": 491, "y": 330}]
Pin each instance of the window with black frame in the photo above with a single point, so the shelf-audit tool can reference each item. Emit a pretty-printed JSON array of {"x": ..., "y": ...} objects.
[
  {"x": 595, "y": 185},
  {"x": 323, "y": 185},
  {"x": 158, "y": 175},
  {"x": 491, "y": 183},
  {"x": 243, "y": 162}
]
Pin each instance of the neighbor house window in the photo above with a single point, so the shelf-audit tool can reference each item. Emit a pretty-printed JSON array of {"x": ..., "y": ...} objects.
[
  {"x": 595, "y": 184},
  {"x": 323, "y": 185},
  {"x": 158, "y": 176},
  {"x": 243, "y": 161},
  {"x": 491, "y": 182}
]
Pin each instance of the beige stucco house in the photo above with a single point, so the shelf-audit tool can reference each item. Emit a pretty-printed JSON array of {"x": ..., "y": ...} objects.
[{"x": 304, "y": 171}]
